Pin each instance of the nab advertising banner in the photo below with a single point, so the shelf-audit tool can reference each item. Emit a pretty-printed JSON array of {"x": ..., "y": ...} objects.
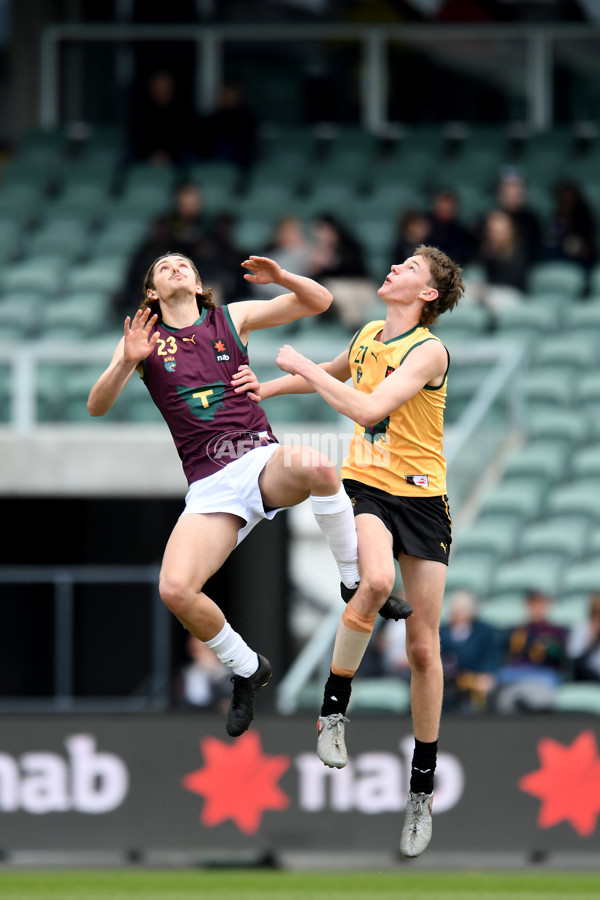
[{"x": 124, "y": 783}]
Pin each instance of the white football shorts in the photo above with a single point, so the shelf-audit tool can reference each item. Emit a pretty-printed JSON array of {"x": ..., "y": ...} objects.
[{"x": 234, "y": 489}]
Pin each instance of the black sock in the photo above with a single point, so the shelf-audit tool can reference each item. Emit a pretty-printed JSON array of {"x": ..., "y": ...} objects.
[
  {"x": 337, "y": 695},
  {"x": 423, "y": 767}
]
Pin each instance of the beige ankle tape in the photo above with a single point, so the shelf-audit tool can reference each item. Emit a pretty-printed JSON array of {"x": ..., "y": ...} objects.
[
  {"x": 351, "y": 640},
  {"x": 357, "y": 621}
]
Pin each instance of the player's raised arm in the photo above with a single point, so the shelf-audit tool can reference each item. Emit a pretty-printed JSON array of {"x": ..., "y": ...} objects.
[
  {"x": 245, "y": 380},
  {"x": 305, "y": 297},
  {"x": 425, "y": 365},
  {"x": 137, "y": 344}
]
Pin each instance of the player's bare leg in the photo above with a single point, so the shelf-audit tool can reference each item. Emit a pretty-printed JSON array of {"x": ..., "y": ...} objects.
[
  {"x": 184, "y": 572},
  {"x": 377, "y": 574},
  {"x": 424, "y": 582}
]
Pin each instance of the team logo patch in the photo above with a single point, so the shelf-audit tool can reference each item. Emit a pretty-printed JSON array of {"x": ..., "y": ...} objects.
[
  {"x": 220, "y": 350},
  {"x": 419, "y": 480},
  {"x": 169, "y": 363},
  {"x": 389, "y": 371}
]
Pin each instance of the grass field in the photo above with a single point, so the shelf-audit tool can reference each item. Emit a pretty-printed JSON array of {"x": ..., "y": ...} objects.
[{"x": 276, "y": 885}]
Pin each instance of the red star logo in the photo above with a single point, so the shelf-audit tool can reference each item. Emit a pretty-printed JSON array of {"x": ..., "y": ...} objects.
[
  {"x": 220, "y": 346},
  {"x": 568, "y": 783},
  {"x": 238, "y": 781}
]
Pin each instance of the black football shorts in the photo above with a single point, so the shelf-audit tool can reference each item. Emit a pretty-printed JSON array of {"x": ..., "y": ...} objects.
[{"x": 420, "y": 526}]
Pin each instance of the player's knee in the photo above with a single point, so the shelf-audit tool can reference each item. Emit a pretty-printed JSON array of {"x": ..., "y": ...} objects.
[
  {"x": 423, "y": 655},
  {"x": 175, "y": 594},
  {"x": 379, "y": 586},
  {"x": 324, "y": 478}
]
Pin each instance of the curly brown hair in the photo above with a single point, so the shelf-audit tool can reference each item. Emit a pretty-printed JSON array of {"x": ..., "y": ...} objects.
[
  {"x": 204, "y": 300},
  {"x": 446, "y": 278}
]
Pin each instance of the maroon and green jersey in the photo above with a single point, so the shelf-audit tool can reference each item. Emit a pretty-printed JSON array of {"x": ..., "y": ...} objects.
[{"x": 188, "y": 375}]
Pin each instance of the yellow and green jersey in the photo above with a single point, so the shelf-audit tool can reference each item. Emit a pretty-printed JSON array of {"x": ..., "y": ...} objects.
[{"x": 402, "y": 454}]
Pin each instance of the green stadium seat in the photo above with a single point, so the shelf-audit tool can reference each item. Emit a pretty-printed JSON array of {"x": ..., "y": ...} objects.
[
  {"x": 40, "y": 274},
  {"x": 68, "y": 239},
  {"x": 472, "y": 572},
  {"x": 11, "y": 239},
  {"x": 120, "y": 237},
  {"x": 581, "y": 317},
  {"x": 89, "y": 311},
  {"x": 588, "y": 389},
  {"x": 585, "y": 463},
  {"x": 21, "y": 203},
  {"x": 566, "y": 536},
  {"x": 582, "y": 577},
  {"x": 102, "y": 274},
  {"x": 503, "y": 612},
  {"x": 339, "y": 200},
  {"x": 467, "y": 319},
  {"x": 224, "y": 174},
  {"x": 253, "y": 233},
  {"x": 566, "y": 425},
  {"x": 557, "y": 277},
  {"x": 140, "y": 176},
  {"x": 569, "y": 351},
  {"x": 579, "y": 497},
  {"x": 375, "y": 235},
  {"x": 270, "y": 201},
  {"x": 390, "y": 197},
  {"x": 91, "y": 174},
  {"x": 20, "y": 173},
  {"x": 22, "y": 310},
  {"x": 379, "y": 695},
  {"x": 539, "y": 459},
  {"x": 535, "y": 571},
  {"x": 497, "y": 536},
  {"x": 142, "y": 201},
  {"x": 526, "y": 320},
  {"x": 86, "y": 203},
  {"x": 547, "y": 387},
  {"x": 520, "y": 496},
  {"x": 578, "y": 697}
]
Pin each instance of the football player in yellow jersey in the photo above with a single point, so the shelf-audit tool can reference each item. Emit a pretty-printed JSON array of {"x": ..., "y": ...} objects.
[{"x": 395, "y": 476}]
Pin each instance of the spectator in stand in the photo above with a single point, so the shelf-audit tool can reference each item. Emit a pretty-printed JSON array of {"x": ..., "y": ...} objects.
[
  {"x": 469, "y": 656},
  {"x": 220, "y": 257},
  {"x": 536, "y": 660},
  {"x": 291, "y": 249},
  {"x": 336, "y": 253},
  {"x": 512, "y": 199},
  {"x": 204, "y": 680},
  {"x": 447, "y": 232},
  {"x": 229, "y": 134},
  {"x": 414, "y": 229},
  {"x": 338, "y": 263},
  {"x": 571, "y": 232},
  {"x": 179, "y": 230},
  {"x": 503, "y": 260},
  {"x": 583, "y": 645},
  {"x": 157, "y": 135}
]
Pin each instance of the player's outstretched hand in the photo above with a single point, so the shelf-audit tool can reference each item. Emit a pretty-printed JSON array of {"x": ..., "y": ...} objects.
[
  {"x": 262, "y": 270},
  {"x": 288, "y": 359},
  {"x": 139, "y": 342},
  {"x": 245, "y": 381}
]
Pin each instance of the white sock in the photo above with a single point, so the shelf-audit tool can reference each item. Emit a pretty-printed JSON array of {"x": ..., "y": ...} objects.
[
  {"x": 335, "y": 518},
  {"x": 233, "y": 650}
]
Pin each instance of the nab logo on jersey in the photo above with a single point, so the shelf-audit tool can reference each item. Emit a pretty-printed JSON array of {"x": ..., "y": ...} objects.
[{"x": 220, "y": 350}]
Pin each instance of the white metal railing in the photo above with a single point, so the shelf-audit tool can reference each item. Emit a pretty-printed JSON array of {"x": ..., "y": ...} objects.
[{"x": 538, "y": 55}]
